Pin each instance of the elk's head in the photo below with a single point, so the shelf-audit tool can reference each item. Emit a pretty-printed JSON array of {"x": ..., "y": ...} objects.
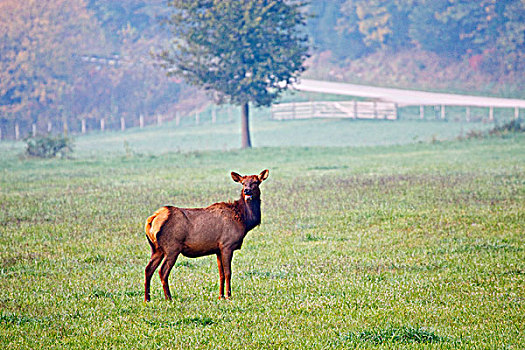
[{"x": 250, "y": 184}]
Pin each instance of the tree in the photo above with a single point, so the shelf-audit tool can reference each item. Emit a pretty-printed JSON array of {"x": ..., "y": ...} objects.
[
  {"x": 446, "y": 27},
  {"x": 114, "y": 16},
  {"x": 330, "y": 28},
  {"x": 383, "y": 23},
  {"x": 510, "y": 44},
  {"x": 493, "y": 30},
  {"x": 244, "y": 51},
  {"x": 39, "y": 39}
]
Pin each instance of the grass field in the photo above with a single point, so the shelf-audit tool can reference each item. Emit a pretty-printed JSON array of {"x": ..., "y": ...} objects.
[
  {"x": 225, "y": 135},
  {"x": 382, "y": 243}
]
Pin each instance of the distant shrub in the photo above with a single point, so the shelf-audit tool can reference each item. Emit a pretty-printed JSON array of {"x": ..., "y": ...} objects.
[
  {"x": 513, "y": 126},
  {"x": 48, "y": 146},
  {"x": 474, "y": 134}
]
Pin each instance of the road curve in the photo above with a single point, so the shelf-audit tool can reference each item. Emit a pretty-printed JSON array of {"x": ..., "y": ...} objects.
[{"x": 406, "y": 97}]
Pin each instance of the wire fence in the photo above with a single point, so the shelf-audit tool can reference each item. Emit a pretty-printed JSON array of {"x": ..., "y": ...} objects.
[{"x": 19, "y": 130}]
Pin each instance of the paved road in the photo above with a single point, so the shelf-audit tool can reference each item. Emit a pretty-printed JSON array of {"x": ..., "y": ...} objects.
[{"x": 406, "y": 97}]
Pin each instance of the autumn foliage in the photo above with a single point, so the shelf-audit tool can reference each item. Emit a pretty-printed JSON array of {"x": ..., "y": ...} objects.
[{"x": 66, "y": 60}]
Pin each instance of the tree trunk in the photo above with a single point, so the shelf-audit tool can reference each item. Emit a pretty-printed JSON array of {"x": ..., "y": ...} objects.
[{"x": 245, "y": 128}]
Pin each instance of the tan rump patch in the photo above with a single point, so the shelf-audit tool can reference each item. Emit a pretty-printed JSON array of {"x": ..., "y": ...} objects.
[{"x": 154, "y": 223}]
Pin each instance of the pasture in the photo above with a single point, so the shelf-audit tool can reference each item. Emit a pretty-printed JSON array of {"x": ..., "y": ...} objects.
[{"x": 373, "y": 242}]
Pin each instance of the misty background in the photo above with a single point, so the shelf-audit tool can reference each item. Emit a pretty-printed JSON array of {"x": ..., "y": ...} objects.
[{"x": 63, "y": 61}]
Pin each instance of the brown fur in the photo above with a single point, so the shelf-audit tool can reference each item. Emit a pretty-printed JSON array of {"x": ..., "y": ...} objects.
[
  {"x": 193, "y": 232},
  {"x": 154, "y": 223}
]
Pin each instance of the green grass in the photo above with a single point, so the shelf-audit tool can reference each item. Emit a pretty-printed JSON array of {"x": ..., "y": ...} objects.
[
  {"x": 225, "y": 136},
  {"x": 403, "y": 245}
]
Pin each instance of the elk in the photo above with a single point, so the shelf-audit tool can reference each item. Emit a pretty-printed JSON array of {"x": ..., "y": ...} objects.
[{"x": 194, "y": 232}]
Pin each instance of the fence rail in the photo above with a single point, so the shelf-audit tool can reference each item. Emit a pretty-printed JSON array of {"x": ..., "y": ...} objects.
[
  {"x": 329, "y": 109},
  {"x": 18, "y": 130}
]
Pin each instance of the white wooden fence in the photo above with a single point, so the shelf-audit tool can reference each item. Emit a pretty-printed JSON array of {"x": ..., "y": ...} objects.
[{"x": 335, "y": 109}]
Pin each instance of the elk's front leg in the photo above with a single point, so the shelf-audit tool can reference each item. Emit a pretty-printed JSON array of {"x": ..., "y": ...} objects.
[
  {"x": 221, "y": 276},
  {"x": 226, "y": 258}
]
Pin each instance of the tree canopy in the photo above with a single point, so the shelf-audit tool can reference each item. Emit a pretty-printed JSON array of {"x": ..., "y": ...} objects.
[{"x": 494, "y": 30}]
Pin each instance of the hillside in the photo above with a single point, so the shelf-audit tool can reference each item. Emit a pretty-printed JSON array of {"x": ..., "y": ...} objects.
[{"x": 418, "y": 70}]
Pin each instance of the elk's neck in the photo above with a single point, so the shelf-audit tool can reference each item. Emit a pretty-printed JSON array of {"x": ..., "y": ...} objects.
[{"x": 250, "y": 212}]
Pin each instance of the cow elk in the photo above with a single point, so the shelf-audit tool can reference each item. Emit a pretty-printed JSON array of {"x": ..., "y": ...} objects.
[{"x": 194, "y": 232}]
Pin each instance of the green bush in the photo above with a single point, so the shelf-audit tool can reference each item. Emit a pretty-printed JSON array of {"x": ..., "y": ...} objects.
[
  {"x": 510, "y": 127},
  {"x": 513, "y": 126},
  {"x": 49, "y": 146}
]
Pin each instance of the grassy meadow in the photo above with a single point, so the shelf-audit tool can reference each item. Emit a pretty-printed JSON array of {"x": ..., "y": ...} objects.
[{"x": 374, "y": 235}]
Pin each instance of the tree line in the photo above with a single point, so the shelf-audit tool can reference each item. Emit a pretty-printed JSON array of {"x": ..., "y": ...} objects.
[
  {"x": 71, "y": 60},
  {"x": 488, "y": 33},
  {"x": 62, "y": 61}
]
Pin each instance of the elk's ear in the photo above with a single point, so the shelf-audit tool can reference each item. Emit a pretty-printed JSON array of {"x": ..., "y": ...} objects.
[
  {"x": 236, "y": 177},
  {"x": 264, "y": 175}
]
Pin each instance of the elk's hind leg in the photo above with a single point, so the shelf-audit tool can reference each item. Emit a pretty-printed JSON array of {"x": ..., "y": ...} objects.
[
  {"x": 156, "y": 258},
  {"x": 165, "y": 270}
]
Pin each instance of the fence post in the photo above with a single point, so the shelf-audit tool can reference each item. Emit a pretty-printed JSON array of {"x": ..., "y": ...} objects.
[
  {"x": 17, "y": 131},
  {"x": 396, "y": 114},
  {"x": 83, "y": 126},
  {"x": 159, "y": 119},
  {"x": 141, "y": 121},
  {"x": 49, "y": 127},
  {"x": 442, "y": 112},
  {"x": 197, "y": 118},
  {"x": 516, "y": 112},
  {"x": 66, "y": 129},
  {"x": 177, "y": 118},
  {"x": 491, "y": 114},
  {"x": 122, "y": 124},
  {"x": 467, "y": 113},
  {"x": 355, "y": 109},
  {"x": 374, "y": 106},
  {"x": 33, "y": 129},
  {"x": 421, "y": 112},
  {"x": 313, "y": 109},
  {"x": 102, "y": 124}
]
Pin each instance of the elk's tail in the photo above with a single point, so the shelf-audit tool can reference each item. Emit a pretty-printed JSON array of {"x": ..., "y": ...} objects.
[
  {"x": 151, "y": 238},
  {"x": 154, "y": 224}
]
